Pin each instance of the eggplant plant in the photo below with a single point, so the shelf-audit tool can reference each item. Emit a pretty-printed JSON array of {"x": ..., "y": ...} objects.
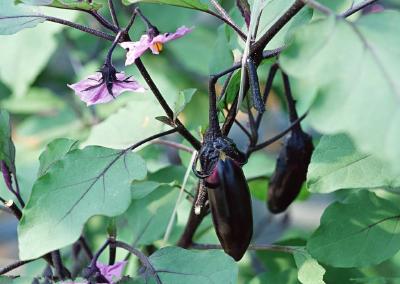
[{"x": 148, "y": 143}]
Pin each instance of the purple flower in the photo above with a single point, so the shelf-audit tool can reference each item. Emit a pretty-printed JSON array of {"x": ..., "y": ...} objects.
[
  {"x": 104, "y": 86},
  {"x": 111, "y": 272},
  {"x": 152, "y": 42}
]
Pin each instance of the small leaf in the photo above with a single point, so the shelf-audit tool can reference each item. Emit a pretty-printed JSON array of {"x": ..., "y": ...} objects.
[
  {"x": 336, "y": 164},
  {"x": 310, "y": 272},
  {"x": 184, "y": 97},
  {"x": 14, "y": 18},
  {"x": 179, "y": 266},
  {"x": 361, "y": 231},
  {"x": 88, "y": 182},
  {"x": 191, "y": 4},
  {"x": 166, "y": 120},
  {"x": 55, "y": 151},
  {"x": 85, "y": 5}
]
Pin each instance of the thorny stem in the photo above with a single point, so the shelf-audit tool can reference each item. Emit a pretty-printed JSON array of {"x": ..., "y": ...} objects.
[
  {"x": 214, "y": 128},
  {"x": 180, "y": 127},
  {"x": 113, "y": 14},
  {"x": 142, "y": 258},
  {"x": 357, "y": 8}
]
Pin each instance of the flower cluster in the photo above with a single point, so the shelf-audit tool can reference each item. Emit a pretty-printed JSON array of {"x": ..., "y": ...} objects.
[{"x": 107, "y": 84}]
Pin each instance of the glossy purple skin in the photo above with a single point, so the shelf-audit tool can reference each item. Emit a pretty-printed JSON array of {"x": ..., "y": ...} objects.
[
  {"x": 231, "y": 210},
  {"x": 290, "y": 172}
]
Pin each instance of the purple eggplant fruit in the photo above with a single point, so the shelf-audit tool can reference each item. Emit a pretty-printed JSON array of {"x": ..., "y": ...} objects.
[
  {"x": 290, "y": 171},
  {"x": 230, "y": 203}
]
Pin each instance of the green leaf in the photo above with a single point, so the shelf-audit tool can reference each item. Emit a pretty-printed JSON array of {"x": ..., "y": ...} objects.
[
  {"x": 88, "y": 182},
  {"x": 37, "y": 100},
  {"x": 184, "y": 97},
  {"x": 14, "y": 18},
  {"x": 7, "y": 148},
  {"x": 55, "y": 151},
  {"x": 191, "y": 4},
  {"x": 180, "y": 266},
  {"x": 336, "y": 164},
  {"x": 147, "y": 218},
  {"x": 259, "y": 165},
  {"x": 361, "y": 231},
  {"x": 85, "y": 5},
  {"x": 140, "y": 189},
  {"x": 287, "y": 276},
  {"x": 355, "y": 69},
  {"x": 310, "y": 272},
  {"x": 222, "y": 57},
  {"x": 115, "y": 132},
  {"x": 25, "y": 54}
]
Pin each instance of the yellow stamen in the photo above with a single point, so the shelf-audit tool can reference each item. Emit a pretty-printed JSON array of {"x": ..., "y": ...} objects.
[{"x": 158, "y": 46}]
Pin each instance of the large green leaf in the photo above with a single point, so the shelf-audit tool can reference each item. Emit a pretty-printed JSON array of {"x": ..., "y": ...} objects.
[
  {"x": 14, "y": 18},
  {"x": 355, "y": 68},
  {"x": 7, "y": 148},
  {"x": 129, "y": 125},
  {"x": 191, "y": 4},
  {"x": 361, "y": 231},
  {"x": 146, "y": 219},
  {"x": 336, "y": 164},
  {"x": 88, "y": 182},
  {"x": 86, "y": 5},
  {"x": 24, "y": 55},
  {"x": 55, "y": 151},
  {"x": 179, "y": 266}
]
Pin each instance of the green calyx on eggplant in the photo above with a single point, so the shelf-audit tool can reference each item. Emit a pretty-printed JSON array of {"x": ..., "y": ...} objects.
[
  {"x": 290, "y": 172},
  {"x": 230, "y": 203}
]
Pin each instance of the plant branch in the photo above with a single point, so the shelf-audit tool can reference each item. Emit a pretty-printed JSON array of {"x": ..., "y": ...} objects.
[
  {"x": 113, "y": 13},
  {"x": 142, "y": 258},
  {"x": 357, "y": 8},
  {"x": 15, "y": 266},
  {"x": 180, "y": 127},
  {"x": 226, "y": 18},
  {"x": 231, "y": 24},
  {"x": 277, "y": 137},
  {"x": 173, "y": 145},
  {"x": 258, "y": 47},
  {"x": 103, "y": 22},
  {"x": 317, "y": 6}
]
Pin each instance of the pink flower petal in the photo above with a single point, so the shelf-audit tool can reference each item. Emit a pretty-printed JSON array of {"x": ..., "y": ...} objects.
[
  {"x": 111, "y": 272},
  {"x": 136, "y": 49},
  {"x": 98, "y": 93}
]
